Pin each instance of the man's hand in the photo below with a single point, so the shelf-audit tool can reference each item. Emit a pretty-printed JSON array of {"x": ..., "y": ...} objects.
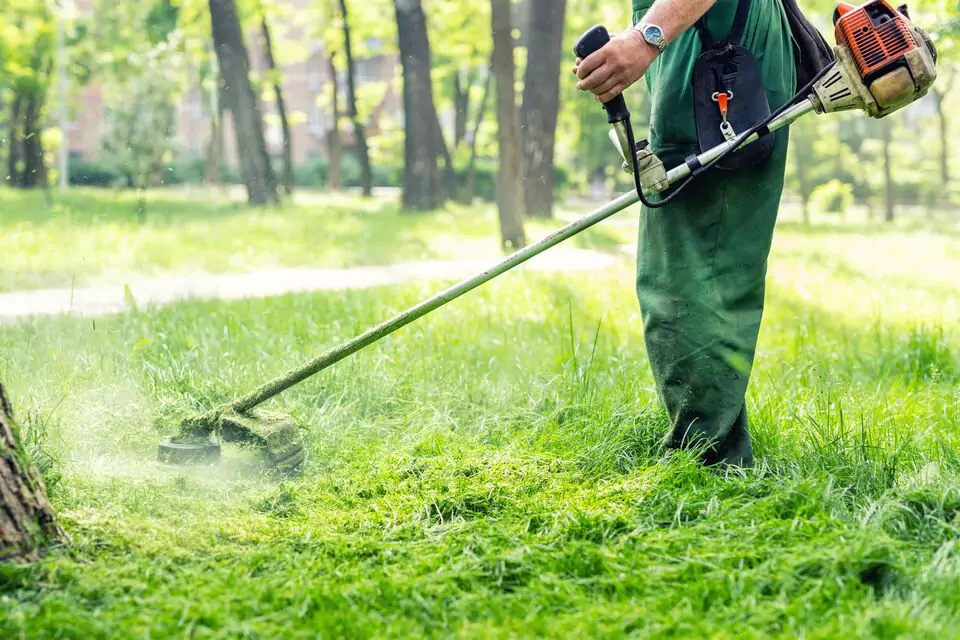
[{"x": 608, "y": 72}]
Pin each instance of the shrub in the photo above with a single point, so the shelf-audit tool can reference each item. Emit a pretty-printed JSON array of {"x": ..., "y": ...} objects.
[
  {"x": 833, "y": 197},
  {"x": 93, "y": 174}
]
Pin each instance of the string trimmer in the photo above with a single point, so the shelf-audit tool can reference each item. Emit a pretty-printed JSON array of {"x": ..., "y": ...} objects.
[{"x": 884, "y": 62}]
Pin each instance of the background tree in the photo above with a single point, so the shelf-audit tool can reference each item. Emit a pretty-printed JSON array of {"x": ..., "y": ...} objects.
[
  {"x": 510, "y": 172},
  {"x": 26, "y": 64},
  {"x": 469, "y": 190},
  {"x": 359, "y": 133},
  {"x": 889, "y": 187},
  {"x": 541, "y": 103},
  {"x": 422, "y": 188},
  {"x": 27, "y": 523},
  {"x": 276, "y": 80},
  {"x": 255, "y": 166},
  {"x": 142, "y": 106},
  {"x": 461, "y": 75},
  {"x": 334, "y": 145}
]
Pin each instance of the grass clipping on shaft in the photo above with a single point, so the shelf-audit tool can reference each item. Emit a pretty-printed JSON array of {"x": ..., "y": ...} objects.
[{"x": 275, "y": 434}]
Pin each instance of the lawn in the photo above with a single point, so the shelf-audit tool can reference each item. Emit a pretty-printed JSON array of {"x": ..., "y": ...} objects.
[
  {"x": 495, "y": 470},
  {"x": 96, "y": 236}
]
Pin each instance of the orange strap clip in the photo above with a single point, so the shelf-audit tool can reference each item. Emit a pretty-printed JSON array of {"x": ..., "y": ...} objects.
[{"x": 723, "y": 100}]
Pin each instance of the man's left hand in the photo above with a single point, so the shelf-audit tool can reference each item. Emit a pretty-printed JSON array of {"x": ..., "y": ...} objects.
[{"x": 608, "y": 72}]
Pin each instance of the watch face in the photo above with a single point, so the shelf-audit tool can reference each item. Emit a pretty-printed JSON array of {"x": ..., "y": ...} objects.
[{"x": 653, "y": 34}]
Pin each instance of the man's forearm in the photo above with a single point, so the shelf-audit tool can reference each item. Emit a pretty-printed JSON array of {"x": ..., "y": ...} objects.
[
  {"x": 676, "y": 16},
  {"x": 607, "y": 72}
]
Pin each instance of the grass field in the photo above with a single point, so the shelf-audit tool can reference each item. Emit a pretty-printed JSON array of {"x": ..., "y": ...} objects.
[
  {"x": 495, "y": 470},
  {"x": 95, "y": 236}
]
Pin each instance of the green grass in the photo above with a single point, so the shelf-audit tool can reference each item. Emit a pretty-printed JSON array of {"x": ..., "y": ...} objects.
[
  {"x": 95, "y": 236},
  {"x": 495, "y": 469}
]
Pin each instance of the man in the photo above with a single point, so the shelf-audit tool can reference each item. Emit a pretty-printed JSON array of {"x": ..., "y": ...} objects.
[{"x": 701, "y": 259}]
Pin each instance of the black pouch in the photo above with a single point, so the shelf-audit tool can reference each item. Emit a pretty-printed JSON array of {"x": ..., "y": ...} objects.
[{"x": 729, "y": 96}]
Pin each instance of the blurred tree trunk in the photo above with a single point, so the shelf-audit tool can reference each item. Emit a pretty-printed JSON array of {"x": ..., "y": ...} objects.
[
  {"x": 34, "y": 165},
  {"x": 422, "y": 185},
  {"x": 334, "y": 147},
  {"x": 462, "y": 83},
  {"x": 240, "y": 98},
  {"x": 470, "y": 187},
  {"x": 363, "y": 153},
  {"x": 541, "y": 104},
  {"x": 510, "y": 175},
  {"x": 939, "y": 93},
  {"x": 803, "y": 152},
  {"x": 15, "y": 150},
  {"x": 889, "y": 187},
  {"x": 288, "y": 178},
  {"x": 27, "y": 524},
  {"x": 211, "y": 174}
]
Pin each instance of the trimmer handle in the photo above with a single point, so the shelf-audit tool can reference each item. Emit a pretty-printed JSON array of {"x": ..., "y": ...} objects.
[{"x": 590, "y": 42}]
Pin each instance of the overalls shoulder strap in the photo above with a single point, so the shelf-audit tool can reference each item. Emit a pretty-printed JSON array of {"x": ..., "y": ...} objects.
[{"x": 736, "y": 31}]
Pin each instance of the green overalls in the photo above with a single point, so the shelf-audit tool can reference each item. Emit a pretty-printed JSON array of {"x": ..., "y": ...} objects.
[{"x": 701, "y": 260}]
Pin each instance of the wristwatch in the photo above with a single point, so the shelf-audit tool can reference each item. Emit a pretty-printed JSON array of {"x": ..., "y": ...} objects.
[{"x": 653, "y": 34}]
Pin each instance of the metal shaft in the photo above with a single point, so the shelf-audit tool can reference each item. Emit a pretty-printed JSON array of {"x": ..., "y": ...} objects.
[{"x": 335, "y": 355}]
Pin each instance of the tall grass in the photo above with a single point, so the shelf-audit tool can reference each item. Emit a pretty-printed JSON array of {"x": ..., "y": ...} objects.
[{"x": 496, "y": 469}]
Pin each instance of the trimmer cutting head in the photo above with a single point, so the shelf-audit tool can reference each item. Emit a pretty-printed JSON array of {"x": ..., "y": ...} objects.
[{"x": 275, "y": 434}]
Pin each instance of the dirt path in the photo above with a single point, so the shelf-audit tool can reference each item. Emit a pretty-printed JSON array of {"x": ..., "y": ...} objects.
[{"x": 152, "y": 292}]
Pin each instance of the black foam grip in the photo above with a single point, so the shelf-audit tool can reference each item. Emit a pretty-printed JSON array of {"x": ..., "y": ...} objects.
[{"x": 590, "y": 42}]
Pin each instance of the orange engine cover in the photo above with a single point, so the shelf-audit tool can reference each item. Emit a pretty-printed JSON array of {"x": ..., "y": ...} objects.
[{"x": 876, "y": 34}]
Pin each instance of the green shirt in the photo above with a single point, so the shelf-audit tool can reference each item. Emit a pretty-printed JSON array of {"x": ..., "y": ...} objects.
[{"x": 673, "y": 133}]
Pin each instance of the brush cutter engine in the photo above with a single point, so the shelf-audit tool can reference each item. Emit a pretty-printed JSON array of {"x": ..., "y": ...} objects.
[{"x": 884, "y": 62}]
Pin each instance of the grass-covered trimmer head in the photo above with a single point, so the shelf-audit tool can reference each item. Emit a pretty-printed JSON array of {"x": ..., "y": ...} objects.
[{"x": 276, "y": 435}]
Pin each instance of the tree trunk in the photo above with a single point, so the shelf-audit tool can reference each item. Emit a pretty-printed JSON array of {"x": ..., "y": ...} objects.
[
  {"x": 541, "y": 104},
  {"x": 447, "y": 186},
  {"x": 27, "y": 523},
  {"x": 34, "y": 164},
  {"x": 15, "y": 152},
  {"x": 801, "y": 154},
  {"x": 334, "y": 147},
  {"x": 510, "y": 176},
  {"x": 889, "y": 186},
  {"x": 240, "y": 98},
  {"x": 939, "y": 94},
  {"x": 288, "y": 177},
  {"x": 363, "y": 153},
  {"x": 422, "y": 186},
  {"x": 462, "y": 83},
  {"x": 470, "y": 188},
  {"x": 211, "y": 174}
]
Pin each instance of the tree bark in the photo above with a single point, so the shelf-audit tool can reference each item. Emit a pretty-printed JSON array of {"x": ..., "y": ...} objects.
[
  {"x": 258, "y": 175},
  {"x": 363, "y": 153},
  {"x": 211, "y": 174},
  {"x": 470, "y": 188},
  {"x": 334, "y": 146},
  {"x": 27, "y": 524},
  {"x": 510, "y": 176},
  {"x": 422, "y": 185},
  {"x": 462, "y": 83},
  {"x": 889, "y": 186},
  {"x": 288, "y": 177},
  {"x": 939, "y": 94},
  {"x": 15, "y": 152},
  {"x": 541, "y": 104},
  {"x": 801, "y": 155}
]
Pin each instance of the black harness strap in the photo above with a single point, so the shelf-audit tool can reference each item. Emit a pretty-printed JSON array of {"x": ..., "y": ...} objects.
[{"x": 736, "y": 30}]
